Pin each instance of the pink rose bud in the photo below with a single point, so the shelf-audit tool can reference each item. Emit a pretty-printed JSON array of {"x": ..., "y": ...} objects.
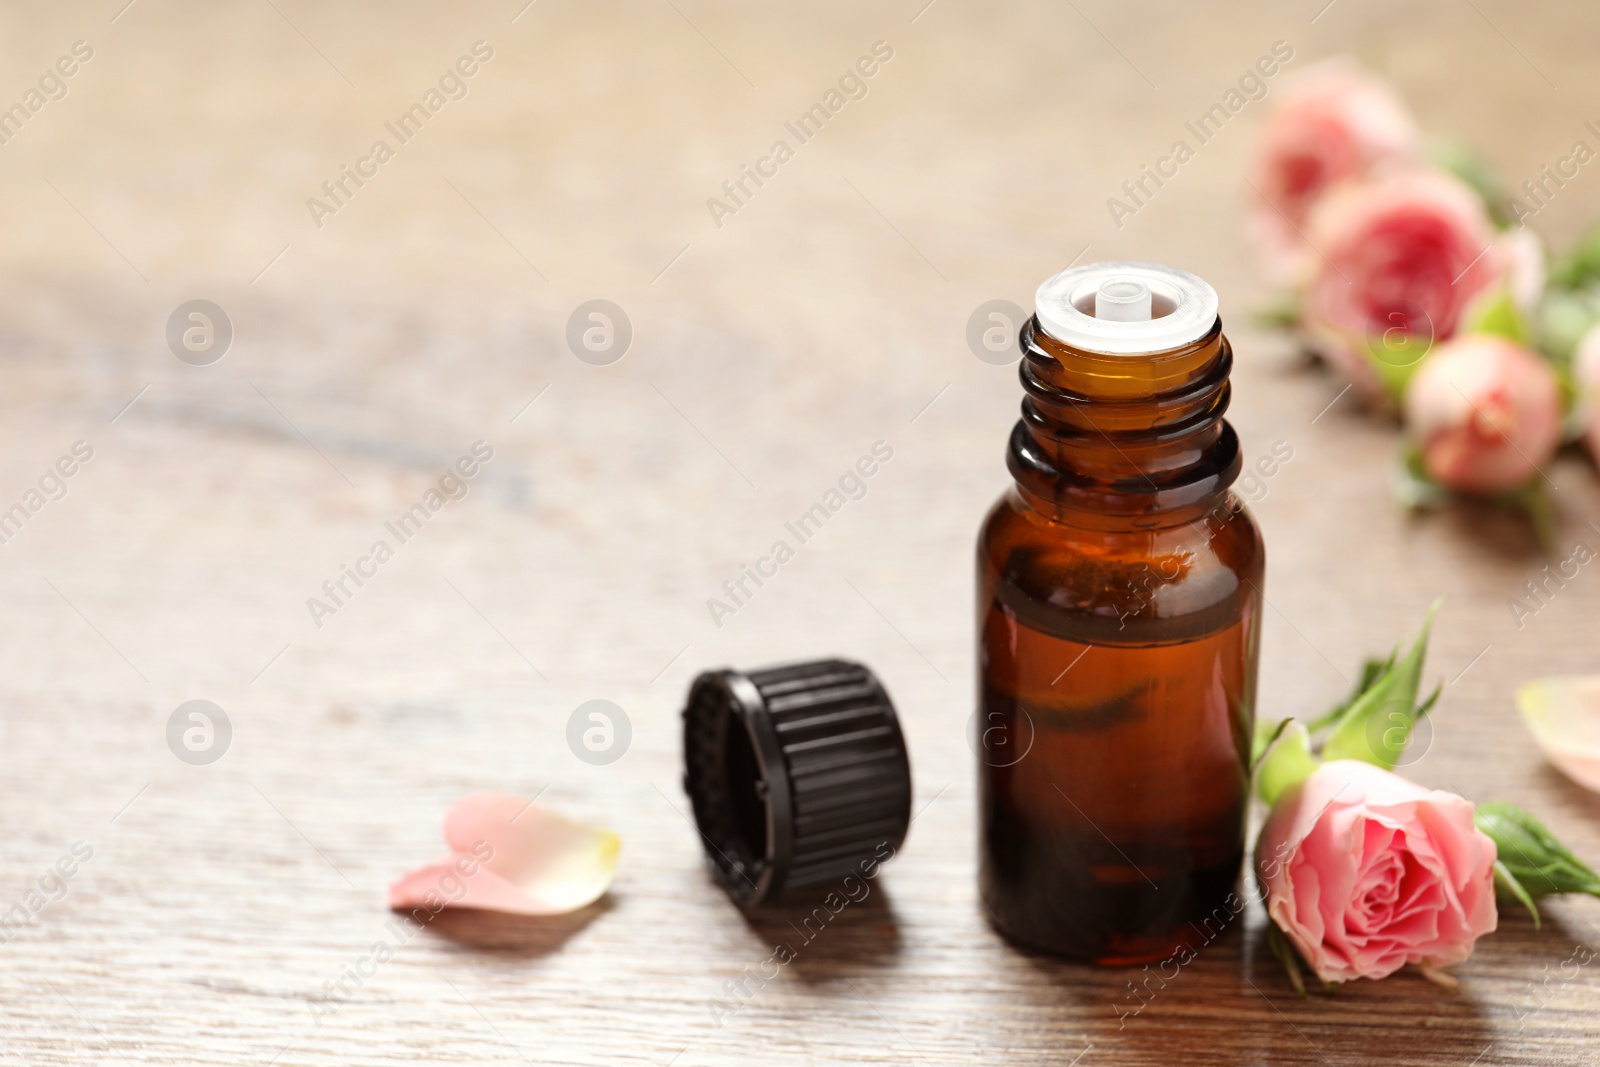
[
  {"x": 1332, "y": 124},
  {"x": 1486, "y": 413},
  {"x": 1396, "y": 259},
  {"x": 1365, "y": 872}
]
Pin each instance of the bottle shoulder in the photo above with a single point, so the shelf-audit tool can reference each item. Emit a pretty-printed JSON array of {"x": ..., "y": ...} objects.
[
  {"x": 1227, "y": 525},
  {"x": 1194, "y": 576}
]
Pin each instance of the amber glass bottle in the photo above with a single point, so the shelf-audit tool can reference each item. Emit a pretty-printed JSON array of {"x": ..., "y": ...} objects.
[{"x": 1119, "y": 601}]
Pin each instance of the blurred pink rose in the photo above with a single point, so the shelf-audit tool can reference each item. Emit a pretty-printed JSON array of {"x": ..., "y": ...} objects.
[
  {"x": 1400, "y": 256},
  {"x": 1332, "y": 124},
  {"x": 1586, "y": 369},
  {"x": 1486, "y": 413},
  {"x": 1365, "y": 872}
]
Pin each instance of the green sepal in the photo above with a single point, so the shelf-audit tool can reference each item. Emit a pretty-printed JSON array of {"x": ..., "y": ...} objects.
[
  {"x": 1532, "y": 856},
  {"x": 1282, "y": 312},
  {"x": 1497, "y": 314},
  {"x": 1286, "y": 763},
  {"x": 1266, "y": 734},
  {"x": 1287, "y": 955},
  {"x": 1377, "y": 724},
  {"x": 1413, "y": 488},
  {"x": 1371, "y": 671},
  {"x": 1461, "y": 161},
  {"x": 1395, "y": 356},
  {"x": 1507, "y": 889},
  {"x": 1533, "y": 500}
]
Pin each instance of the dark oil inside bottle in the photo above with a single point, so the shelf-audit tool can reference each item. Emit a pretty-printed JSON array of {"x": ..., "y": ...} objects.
[{"x": 1114, "y": 776}]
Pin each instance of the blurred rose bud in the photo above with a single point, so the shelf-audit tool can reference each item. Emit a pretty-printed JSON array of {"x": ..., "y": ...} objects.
[
  {"x": 1586, "y": 371},
  {"x": 1332, "y": 124},
  {"x": 1486, "y": 413},
  {"x": 1397, "y": 260}
]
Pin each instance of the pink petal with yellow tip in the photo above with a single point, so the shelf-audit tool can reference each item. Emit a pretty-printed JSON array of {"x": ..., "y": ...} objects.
[
  {"x": 1563, "y": 714},
  {"x": 512, "y": 855}
]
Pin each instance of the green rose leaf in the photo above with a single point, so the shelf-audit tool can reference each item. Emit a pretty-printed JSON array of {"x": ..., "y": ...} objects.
[
  {"x": 1533, "y": 859},
  {"x": 1376, "y": 725},
  {"x": 1581, "y": 266},
  {"x": 1371, "y": 671},
  {"x": 1563, "y": 317}
]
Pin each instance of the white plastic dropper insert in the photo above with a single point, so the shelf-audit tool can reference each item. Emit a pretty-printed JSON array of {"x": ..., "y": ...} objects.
[{"x": 1122, "y": 308}]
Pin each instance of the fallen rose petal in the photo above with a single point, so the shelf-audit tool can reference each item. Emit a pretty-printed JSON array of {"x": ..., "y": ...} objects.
[
  {"x": 1563, "y": 714},
  {"x": 512, "y": 855}
]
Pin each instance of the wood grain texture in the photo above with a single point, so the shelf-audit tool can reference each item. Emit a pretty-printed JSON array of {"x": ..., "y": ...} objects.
[{"x": 224, "y": 902}]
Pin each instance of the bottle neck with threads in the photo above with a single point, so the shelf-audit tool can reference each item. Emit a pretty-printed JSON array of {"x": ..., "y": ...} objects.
[{"x": 1129, "y": 439}]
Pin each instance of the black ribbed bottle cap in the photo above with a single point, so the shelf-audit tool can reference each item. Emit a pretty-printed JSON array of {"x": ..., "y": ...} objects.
[{"x": 798, "y": 775}]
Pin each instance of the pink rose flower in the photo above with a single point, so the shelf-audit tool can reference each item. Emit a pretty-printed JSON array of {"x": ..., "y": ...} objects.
[
  {"x": 1486, "y": 413},
  {"x": 1365, "y": 872},
  {"x": 1332, "y": 124},
  {"x": 1401, "y": 256}
]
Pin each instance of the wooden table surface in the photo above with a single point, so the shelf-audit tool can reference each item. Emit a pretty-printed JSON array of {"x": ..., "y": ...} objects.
[{"x": 827, "y": 312}]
